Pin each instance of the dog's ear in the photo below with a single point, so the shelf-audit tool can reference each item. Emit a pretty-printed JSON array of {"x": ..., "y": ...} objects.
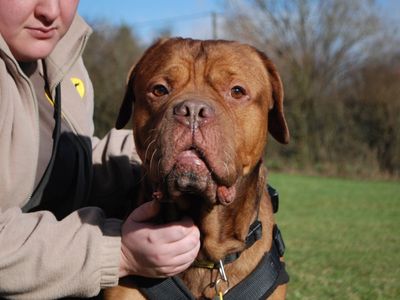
[
  {"x": 125, "y": 111},
  {"x": 277, "y": 125}
]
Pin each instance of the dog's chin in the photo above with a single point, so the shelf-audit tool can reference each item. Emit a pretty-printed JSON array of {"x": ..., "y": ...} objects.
[
  {"x": 192, "y": 183},
  {"x": 190, "y": 175}
]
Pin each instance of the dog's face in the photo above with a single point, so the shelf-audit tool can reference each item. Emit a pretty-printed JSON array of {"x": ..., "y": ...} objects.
[{"x": 202, "y": 110}]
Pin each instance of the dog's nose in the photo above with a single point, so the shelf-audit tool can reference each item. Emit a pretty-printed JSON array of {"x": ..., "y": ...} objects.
[{"x": 193, "y": 113}]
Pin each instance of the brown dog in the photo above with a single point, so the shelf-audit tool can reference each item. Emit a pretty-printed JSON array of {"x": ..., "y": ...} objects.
[{"x": 202, "y": 112}]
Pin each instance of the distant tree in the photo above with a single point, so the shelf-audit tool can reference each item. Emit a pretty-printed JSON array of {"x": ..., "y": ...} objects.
[
  {"x": 373, "y": 99},
  {"x": 109, "y": 54},
  {"x": 318, "y": 46}
]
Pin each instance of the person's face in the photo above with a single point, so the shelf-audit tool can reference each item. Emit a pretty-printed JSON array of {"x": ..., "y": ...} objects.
[{"x": 32, "y": 28}]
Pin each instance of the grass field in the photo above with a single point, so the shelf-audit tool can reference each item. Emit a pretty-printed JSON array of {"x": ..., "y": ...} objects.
[{"x": 342, "y": 237}]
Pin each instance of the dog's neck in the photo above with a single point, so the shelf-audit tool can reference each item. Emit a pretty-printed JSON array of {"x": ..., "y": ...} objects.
[{"x": 224, "y": 230}]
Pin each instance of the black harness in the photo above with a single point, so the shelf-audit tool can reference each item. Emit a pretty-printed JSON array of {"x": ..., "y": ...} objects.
[{"x": 269, "y": 273}]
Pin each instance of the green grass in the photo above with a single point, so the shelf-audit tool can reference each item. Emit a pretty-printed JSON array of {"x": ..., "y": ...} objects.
[{"x": 342, "y": 237}]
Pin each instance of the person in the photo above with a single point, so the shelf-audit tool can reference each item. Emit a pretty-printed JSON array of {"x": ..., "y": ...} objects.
[{"x": 58, "y": 237}]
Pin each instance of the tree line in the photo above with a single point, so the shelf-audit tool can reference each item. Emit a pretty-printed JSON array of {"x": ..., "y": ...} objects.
[{"x": 339, "y": 62}]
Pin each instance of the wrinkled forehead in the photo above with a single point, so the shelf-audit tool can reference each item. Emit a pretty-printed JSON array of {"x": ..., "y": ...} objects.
[{"x": 209, "y": 58}]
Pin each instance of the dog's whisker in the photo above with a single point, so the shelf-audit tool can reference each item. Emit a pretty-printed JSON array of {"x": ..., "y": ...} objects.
[
  {"x": 159, "y": 168},
  {"x": 229, "y": 156},
  {"x": 148, "y": 148},
  {"x": 150, "y": 131},
  {"x": 148, "y": 138},
  {"x": 232, "y": 150},
  {"x": 152, "y": 157},
  {"x": 227, "y": 169}
]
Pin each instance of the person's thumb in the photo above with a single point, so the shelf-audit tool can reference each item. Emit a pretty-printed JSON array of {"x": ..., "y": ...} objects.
[{"x": 145, "y": 212}]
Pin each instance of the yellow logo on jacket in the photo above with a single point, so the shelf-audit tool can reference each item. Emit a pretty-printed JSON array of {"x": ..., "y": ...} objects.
[{"x": 78, "y": 84}]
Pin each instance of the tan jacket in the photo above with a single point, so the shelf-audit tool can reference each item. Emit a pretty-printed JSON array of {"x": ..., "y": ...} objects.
[{"x": 40, "y": 257}]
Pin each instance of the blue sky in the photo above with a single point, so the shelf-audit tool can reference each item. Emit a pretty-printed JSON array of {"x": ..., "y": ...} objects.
[{"x": 188, "y": 18}]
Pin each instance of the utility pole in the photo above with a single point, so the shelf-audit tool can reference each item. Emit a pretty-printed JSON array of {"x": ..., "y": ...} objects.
[{"x": 214, "y": 25}]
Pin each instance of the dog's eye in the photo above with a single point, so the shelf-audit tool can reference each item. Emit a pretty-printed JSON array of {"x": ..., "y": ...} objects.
[
  {"x": 159, "y": 90},
  {"x": 238, "y": 92}
]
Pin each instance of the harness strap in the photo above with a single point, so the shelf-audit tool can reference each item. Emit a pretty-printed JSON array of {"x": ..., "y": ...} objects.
[
  {"x": 36, "y": 196},
  {"x": 259, "y": 284},
  {"x": 163, "y": 289},
  {"x": 255, "y": 233},
  {"x": 273, "y": 194},
  {"x": 268, "y": 274}
]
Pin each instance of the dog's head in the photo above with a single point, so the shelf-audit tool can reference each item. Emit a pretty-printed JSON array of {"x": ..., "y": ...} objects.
[{"x": 202, "y": 111}]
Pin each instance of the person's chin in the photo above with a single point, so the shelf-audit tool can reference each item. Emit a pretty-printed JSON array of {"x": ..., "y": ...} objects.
[{"x": 37, "y": 50}]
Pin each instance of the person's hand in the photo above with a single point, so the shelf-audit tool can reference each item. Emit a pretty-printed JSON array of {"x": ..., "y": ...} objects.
[{"x": 151, "y": 250}]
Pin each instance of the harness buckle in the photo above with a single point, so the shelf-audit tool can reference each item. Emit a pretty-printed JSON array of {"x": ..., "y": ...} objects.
[
  {"x": 255, "y": 233},
  {"x": 223, "y": 278},
  {"x": 274, "y": 195},
  {"x": 222, "y": 271},
  {"x": 278, "y": 240}
]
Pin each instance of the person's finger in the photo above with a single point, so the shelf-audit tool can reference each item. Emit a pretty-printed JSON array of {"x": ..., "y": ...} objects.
[
  {"x": 178, "y": 253},
  {"x": 145, "y": 212},
  {"x": 178, "y": 263},
  {"x": 185, "y": 254},
  {"x": 171, "y": 271},
  {"x": 173, "y": 232}
]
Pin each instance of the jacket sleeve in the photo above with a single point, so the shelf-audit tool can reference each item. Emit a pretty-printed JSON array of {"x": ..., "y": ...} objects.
[{"x": 42, "y": 258}]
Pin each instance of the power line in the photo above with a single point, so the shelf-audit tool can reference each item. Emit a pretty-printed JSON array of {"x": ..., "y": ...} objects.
[{"x": 176, "y": 19}]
